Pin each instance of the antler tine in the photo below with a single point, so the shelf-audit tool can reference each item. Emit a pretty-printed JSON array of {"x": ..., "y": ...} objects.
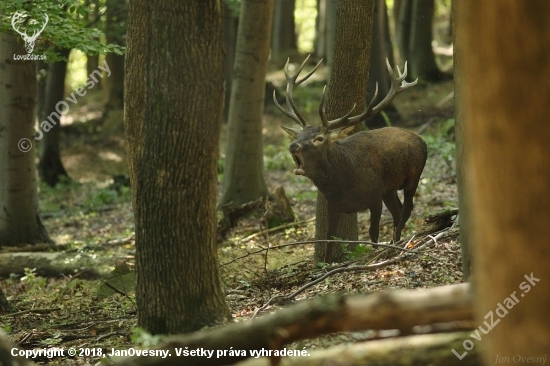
[
  {"x": 16, "y": 16},
  {"x": 285, "y": 112},
  {"x": 398, "y": 85},
  {"x": 292, "y": 82}
]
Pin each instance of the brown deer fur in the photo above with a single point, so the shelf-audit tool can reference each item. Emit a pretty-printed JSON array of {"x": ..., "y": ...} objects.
[{"x": 358, "y": 172}]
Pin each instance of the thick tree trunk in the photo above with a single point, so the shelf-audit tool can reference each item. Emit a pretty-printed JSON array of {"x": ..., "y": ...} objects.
[
  {"x": 506, "y": 45},
  {"x": 422, "y": 58},
  {"x": 50, "y": 166},
  {"x": 378, "y": 72},
  {"x": 117, "y": 14},
  {"x": 348, "y": 82},
  {"x": 19, "y": 219},
  {"x": 320, "y": 42},
  {"x": 331, "y": 6},
  {"x": 462, "y": 147},
  {"x": 243, "y": 171},
  {"x": 283, "y": 36},
  {"x": 172, "y": 122}
]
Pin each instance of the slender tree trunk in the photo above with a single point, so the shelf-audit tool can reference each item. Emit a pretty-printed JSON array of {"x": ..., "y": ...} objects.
[
  {"x": 378, "y": 72},
  {"x": 283, "y": 37},
  {"x": 19, "y": 219},
  {"x": 50, "y": 166},
  {"x": 172, "y": 122},
  {"x": 331, "y": 6},
  {"x": 230, "y": 26},
  {"x": 403, "y": 19},
  {"x": 506, "y": 45},
  {"x": 348, "y": 82},
  {"x": 92, "y": 62},
  {"x": 320, "y": 43},
  {"x": 462, "y": 146},
  {"x": 243, "y": 172},
  {"x": 117, "y": 15},
  {"x": 422, "y": 58}
]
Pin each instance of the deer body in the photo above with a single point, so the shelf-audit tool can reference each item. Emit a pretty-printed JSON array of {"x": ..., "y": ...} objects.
[{"x": 358, "y": 172}]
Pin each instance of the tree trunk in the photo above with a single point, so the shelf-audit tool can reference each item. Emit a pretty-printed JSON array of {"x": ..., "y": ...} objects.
[
  {"x": 320, "y": 42},
  {"x": 348, "y": 82},
  {"x": 19, "y": 219},
  {"x": 462, "y": 148},
  {"x": 331, "y": 6},
  {"x": 230, "y": 26},
  {"x": 378, "y": 72},
  {"x": 403, "y": 19},
  {"x": 422, "y": 58},
  {"x": 92, "y": 62},
  {"x": 506, "y": 45},
  {"x": 243, "y": 171},
  {"x": 283, "y": 37},
  {"x": 117, "y": 15},
  {"x": 50, "y": 166},
  {"x": 172, "y": 123}
]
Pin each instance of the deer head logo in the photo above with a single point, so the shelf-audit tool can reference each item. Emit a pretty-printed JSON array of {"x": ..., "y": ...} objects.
[{"x": 17, "y": 20}]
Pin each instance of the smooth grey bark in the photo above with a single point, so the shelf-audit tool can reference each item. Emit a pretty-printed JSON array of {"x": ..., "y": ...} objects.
[
  {"x": 230, "y": 27},
  {"x": 422, "y": 58},
  {"x": 19, "y": 219},
  {"x": 115, "y": 31},
  {"x": 243, "y": 172}
]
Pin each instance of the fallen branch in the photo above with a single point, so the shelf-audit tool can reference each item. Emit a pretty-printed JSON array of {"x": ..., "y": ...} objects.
[{"x": 328, "y": 314}]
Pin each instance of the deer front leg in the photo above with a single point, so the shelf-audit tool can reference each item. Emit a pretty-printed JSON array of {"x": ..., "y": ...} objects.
[
  {"x": 333, "y": 220},
  {"x": 375, "y": 214}
]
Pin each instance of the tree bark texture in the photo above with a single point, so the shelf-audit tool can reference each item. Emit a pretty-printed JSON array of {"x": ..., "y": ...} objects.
[
  {"x": 230, "y": 27},
  {"x": 19, "y": 219},
  {"x": 504, "y": 52},
  {"x": 172, "y": 122},
  {"x": 50, "y": 166},
  {"x": 422, "y": 57},
  {"x": 348, "y": 82},
  {"x": 243, "y": 171}
]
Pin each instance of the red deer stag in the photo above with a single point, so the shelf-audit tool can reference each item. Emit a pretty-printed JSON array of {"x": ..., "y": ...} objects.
[{"x": 359, "y": 171}]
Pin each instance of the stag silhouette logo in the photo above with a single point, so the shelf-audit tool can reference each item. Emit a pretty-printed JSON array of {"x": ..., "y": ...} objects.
[{"x": 17, "y": 21}]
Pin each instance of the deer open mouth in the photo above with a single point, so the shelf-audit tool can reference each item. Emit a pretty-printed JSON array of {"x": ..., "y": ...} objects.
[{"x": 299, "y": 164}]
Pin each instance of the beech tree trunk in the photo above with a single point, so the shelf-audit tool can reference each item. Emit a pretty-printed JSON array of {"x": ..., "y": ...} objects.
[
  {"x": 348, "y": 82},
  {"x": 50, "y": 166},
  {"x": 172, "y": 123},
  {"x": 117, "y": 14},
  {"x": 243, "y": 172},
  {"x": 422, "y": 57},
  {"x": 19, "y": 219},
  {"x": 283, "y": 37},
  {"x": 378, "y": 73},
  {"x": 230, "y": 27},
  {"x": 506, "y": 45}
]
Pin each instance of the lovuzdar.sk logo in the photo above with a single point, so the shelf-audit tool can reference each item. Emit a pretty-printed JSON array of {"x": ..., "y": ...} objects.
[{"x": 18, "y": 21}]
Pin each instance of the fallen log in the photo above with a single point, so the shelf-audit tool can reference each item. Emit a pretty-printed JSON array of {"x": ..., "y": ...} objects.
[
  {"x": 307, "y": 319},
  {"x": 417, "y": 350}
]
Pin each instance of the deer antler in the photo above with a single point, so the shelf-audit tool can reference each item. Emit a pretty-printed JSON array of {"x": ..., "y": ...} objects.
[
  {"x": 398, "y": 84},
  {"x": 29, "y": 41},
  {"x": 292, "y": 82}
]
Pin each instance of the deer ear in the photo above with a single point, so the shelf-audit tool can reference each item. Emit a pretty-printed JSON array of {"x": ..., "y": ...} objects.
[
  {"x": 293, "y": 132},
  {"x": 341, "y": 134}
]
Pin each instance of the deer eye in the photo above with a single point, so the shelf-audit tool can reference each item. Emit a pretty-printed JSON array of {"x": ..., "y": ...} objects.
[{"x": 318, "y": 138}]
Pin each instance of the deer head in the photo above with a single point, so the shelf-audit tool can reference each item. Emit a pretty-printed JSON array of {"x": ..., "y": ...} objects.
[
  {"x": 16, "y": 20},
  {"x": 309, "y": 149}
]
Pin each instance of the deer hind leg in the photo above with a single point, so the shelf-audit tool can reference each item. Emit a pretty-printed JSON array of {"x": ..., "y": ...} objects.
[
  {"x": 394, "y": 205},
  {"x": 408, "y": 195},
  {"x": 375, "y": 213}
]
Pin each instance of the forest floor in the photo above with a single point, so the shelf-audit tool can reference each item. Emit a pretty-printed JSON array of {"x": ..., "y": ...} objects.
[{"x": 91, "y": 216}]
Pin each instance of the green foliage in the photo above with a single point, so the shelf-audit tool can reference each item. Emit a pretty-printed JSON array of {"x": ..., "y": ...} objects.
[
  {"x": 68, "y": 26},
  {"x": 277, "y": 157},
  {"x": 360, "y": 250},
  {"x": 147, "y": 340},
  {"x": 234, "y": 6}
]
